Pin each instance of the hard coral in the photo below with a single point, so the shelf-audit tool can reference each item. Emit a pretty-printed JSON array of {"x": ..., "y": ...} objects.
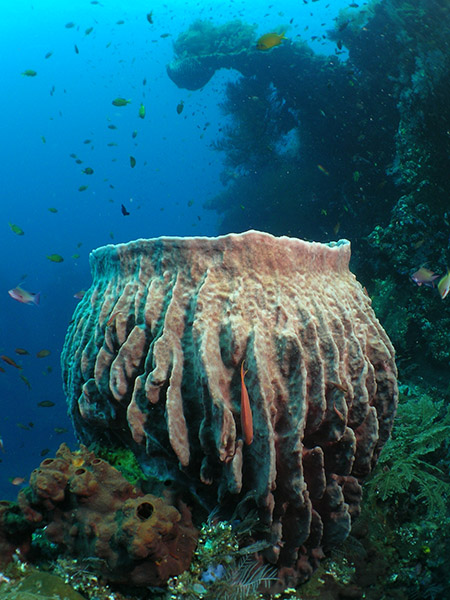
[{"x": 92, "y": 511}]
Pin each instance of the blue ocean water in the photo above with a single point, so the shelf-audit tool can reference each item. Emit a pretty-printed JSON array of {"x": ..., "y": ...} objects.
[{"x": 66, "y": 109}]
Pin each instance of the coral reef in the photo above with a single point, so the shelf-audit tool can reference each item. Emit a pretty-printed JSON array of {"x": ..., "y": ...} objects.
[
  {"x": 151, "y": 361},
  {"x": 90, "y": 511},
  {"x": 204, "y": 48}
]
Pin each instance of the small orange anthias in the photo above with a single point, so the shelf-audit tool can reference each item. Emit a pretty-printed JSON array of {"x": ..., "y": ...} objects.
[{"x": 246, "y": 412}]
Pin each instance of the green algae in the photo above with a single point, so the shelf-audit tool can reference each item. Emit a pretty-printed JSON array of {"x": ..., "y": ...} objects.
[{"x": 39, "y": 586}]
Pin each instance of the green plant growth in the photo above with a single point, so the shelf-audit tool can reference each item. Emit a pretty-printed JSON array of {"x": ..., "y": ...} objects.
[
  {"x": 393, "y": 315},
  {"x": 123, "y": 460},
  {"x": 409, "y": 472}
]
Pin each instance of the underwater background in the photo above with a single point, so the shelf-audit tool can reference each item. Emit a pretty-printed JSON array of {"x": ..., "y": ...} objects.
[
  {"x": 339, "y": 130},
  {"x": 66, "y": 109}
]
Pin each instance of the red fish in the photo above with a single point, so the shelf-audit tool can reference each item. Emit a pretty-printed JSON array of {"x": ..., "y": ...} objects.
[
  {"x": 23, "y": 296},
  {"x": 112, "y": 318},
  {"x": 246, "y": 411}
]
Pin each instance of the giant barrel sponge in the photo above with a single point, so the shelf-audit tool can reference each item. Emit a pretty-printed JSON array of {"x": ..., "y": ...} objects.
[{"x": 152, "y": 361}]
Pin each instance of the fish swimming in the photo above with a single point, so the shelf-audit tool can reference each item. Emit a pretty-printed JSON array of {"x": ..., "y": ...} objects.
[
  {"x": 113, "y": 317},
  {"x": 424, "y": 276},
  {"x": 444, "y": 285},
  {"x": 270, "y": 40},
  {"x": 57, "y": 258},
  {"x": 16, "y": 229},
  {"x": 120, "y": 102},
  {"x": 246, "y": 411},
  {"x": 10, "y": 361},
  {"x": 23, "y": 296}
]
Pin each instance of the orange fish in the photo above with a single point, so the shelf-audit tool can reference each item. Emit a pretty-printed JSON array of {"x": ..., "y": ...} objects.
[
  {"x": 270, "y": 40},
  {"x": 111, "y": 319},
  {"x": 10, "y": 361},
  {"x": 246, "y": 411}
]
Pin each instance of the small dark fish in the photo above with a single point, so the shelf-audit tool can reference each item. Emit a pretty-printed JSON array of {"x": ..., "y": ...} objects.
[
  {"x": 134, "y": 134},
  {"x": 69, "y": 25},
  {"x": 56, "y": 258},
  {"x": 48, "y": 54},
  {"x": 132, "y": 162},
  {"x": 112, "y": 126},
  {"x": 52, "y": 210},
  {"x": 10, "y": 361},
  {"x": 88, "y": 30},
  {"x": 25, "y": 427},
  {"x": 180, "y": 107},
  {"x": 60, "y": 430},
  {"x": 120, "y": 22},
  {"x": 120, "y": 101},
  {"x": 26, "y": 381},
  {"x": 124, "y": 211},
  {"x": 76, "y": 49},
  {"x": 45, "y": 451},
  {"x": 21, "y": 351},
  {"x": 16, "y": 229},
  {"x": 29, "y": 73},
  {"x": 88, "y": 171},
  {"x": 82, "y": 188},
  {"x": 150, "y": 17},
  {"x": 43, "y": 353},
  {"x": 165, "y": 35},
  {"x": 46, "y": 403}
]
